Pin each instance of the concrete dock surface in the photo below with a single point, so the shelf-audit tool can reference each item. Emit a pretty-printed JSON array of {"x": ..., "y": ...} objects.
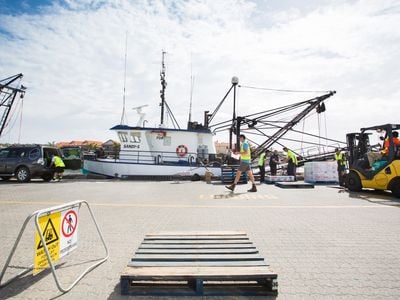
[{"x": 324, "y": 243}]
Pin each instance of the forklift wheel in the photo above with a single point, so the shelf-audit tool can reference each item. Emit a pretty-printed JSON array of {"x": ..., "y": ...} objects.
[
  {"x": 353, "y": 182},
  {"x": 395, "y": 187}
]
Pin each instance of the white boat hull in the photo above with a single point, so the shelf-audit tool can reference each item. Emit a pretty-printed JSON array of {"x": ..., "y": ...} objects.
[{"x": 124, "y": 169}]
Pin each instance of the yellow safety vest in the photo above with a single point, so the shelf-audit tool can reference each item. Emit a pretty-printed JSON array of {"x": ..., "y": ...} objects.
[
  {"x": 58, "y": 162},
  {"x": 340, "y": 158},
  {"x": 247, "y": 155},
  {"x": 292, "y": 156},
  {"x": 261, "y": 160}
]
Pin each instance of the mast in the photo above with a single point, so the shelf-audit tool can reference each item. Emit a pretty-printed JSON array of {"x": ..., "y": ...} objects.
[
  {"x": 191, "y": 94},
  {"x": 123, "y": 115},
  {"x": 163, "y": 86}
]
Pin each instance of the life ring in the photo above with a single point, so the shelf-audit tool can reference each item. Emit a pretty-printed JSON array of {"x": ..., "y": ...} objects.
[{"x": 181, "y": 150}]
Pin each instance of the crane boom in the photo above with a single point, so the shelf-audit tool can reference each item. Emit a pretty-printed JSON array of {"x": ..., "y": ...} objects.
[
  {"x": 312, "y": 104},
  {"x": 8, "y": 94}
]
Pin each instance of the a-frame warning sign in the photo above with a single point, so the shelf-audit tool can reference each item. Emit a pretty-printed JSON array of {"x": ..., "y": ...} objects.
[
  {"x": 50, "y": 229},
  {"x": 50, "y": 235}
]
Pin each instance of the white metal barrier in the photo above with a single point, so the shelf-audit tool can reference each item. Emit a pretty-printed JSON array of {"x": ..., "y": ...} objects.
[{"x": 47, "y": 212}]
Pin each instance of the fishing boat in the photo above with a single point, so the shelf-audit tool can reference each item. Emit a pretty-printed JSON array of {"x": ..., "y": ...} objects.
[
  {"x": 166, "y": 152},
  {"x": 152, "y": 152}
]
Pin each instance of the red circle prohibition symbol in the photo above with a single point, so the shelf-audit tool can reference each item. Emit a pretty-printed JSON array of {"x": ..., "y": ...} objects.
[{"x": 70, "y": 225}]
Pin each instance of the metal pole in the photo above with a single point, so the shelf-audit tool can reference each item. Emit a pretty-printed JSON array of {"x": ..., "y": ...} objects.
[
  {"x": 163, "y": 85},
  {"x": 12, "y": 254},
  {"x": 235, "y": 82}
]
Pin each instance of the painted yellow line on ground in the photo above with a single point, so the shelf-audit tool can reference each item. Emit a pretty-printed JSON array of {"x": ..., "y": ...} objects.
[{"x": 140, "y": 205}]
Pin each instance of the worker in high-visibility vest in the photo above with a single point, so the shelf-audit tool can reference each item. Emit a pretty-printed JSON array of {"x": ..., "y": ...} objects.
[
  {"x": 59, "y": 165},
  {"x": 341, "y": 165},
  {"x": 245, "y": 165},
  {"x": 261, "y": 164},
  {"x": 374, "y": 156},
  {"x": 396, "y": 143},
  {"x": 292, "y": 162}
]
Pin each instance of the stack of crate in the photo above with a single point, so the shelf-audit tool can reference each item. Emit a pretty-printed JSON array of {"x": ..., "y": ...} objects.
[
  {"x": 228, "y": 173},
  {"x": 321, "y": 172}
]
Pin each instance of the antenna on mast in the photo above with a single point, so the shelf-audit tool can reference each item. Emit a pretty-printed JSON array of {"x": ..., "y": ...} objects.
[
  {"x": 191, "y": 98},
  {"x": 191, "y": 93},
  {"x": 163, "y": 86},
  {"x": 123, "y": 115}
]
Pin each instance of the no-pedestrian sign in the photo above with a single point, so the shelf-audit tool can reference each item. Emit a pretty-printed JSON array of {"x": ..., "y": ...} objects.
[
  {"x": 60, "y": 232},
  {"x": 69, "y": 231}
]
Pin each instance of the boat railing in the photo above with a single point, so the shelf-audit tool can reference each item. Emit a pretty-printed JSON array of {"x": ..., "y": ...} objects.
[{"x": 158, "y": 157}]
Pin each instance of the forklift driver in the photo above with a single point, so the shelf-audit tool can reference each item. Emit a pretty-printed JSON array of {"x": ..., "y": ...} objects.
[{"x": 374, "y": 156}]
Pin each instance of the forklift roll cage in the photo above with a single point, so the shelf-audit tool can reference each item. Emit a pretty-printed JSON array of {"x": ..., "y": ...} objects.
[
  {"x": 358, "y": 145},
  {"x": 385, "y": 176}
]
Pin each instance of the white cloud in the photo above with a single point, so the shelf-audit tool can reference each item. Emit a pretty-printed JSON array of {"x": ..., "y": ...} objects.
[{"x": 72, "y": 56}]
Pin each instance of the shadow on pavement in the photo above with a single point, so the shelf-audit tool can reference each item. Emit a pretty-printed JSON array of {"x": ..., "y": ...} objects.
[
  {"x": 375, "y": 196},
  {"x": 20, "y": 284}
]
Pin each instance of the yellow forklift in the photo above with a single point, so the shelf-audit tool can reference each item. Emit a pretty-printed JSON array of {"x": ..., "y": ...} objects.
[{"x": 384, "y": 173}]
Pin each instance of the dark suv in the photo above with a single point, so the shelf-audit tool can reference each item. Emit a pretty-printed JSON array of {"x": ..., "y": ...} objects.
[{"x": 27, "y": 161}]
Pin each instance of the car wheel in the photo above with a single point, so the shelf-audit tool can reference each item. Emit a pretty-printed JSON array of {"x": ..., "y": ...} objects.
[
  {"x": 395, "y": 187},
  {"x": 6, "y": 178},
  {"x": 23, "y": 174},
  {"x": 353, "y": 182}
]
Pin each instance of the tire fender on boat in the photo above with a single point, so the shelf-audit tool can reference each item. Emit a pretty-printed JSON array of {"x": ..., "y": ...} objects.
[{"x": 181, "y": 150}]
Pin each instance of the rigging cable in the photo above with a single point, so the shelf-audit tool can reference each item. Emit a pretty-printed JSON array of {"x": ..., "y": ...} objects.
[
  {"x": 20, "y": 120},
  {"x": 280, "y": 90},
  {"x": 11, "y": 120},
  {"x": 302, "y": 136},
  {"x": 319, "y": 132},
  {"x": 326, "y": 131}
]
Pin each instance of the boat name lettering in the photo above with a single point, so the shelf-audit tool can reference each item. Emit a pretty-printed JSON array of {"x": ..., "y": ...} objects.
[{"x": 131, "y": 146}]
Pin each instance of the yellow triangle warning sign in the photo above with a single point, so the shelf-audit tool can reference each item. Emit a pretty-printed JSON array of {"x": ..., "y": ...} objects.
[{"x": 50, "y": 235}]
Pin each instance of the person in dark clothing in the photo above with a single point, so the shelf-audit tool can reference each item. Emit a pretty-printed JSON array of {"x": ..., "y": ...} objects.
[
  {"x": 261, "y": 164},
  {"x": 273, "y": 162},
  {"x": 292, "y": 162},
  {"x": 341, "y": 165}
]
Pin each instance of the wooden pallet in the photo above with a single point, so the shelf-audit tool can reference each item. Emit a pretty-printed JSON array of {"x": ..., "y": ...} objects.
[{"x": 198, "y": 263}]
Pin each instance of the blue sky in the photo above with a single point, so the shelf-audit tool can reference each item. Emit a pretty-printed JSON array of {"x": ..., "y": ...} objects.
[
  {"x": 32, "y": 7},
  {"x": 72, "y": 56}
]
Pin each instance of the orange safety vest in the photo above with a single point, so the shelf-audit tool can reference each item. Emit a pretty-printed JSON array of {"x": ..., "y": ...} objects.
[{"x": 385, "y": 150}]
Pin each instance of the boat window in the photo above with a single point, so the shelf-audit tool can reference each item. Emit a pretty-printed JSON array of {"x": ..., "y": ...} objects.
[
  {"x": 123, "y": 136},
  {"x": 134, "y": 137},
  {"x": 167, "y": 141}
]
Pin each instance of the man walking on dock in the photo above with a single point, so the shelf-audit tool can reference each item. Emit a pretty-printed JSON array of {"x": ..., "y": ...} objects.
[{"x": 245, "y": 161}]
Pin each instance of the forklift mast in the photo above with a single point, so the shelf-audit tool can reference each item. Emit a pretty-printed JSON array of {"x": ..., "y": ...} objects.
[{"x": 357, "y": 146}]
